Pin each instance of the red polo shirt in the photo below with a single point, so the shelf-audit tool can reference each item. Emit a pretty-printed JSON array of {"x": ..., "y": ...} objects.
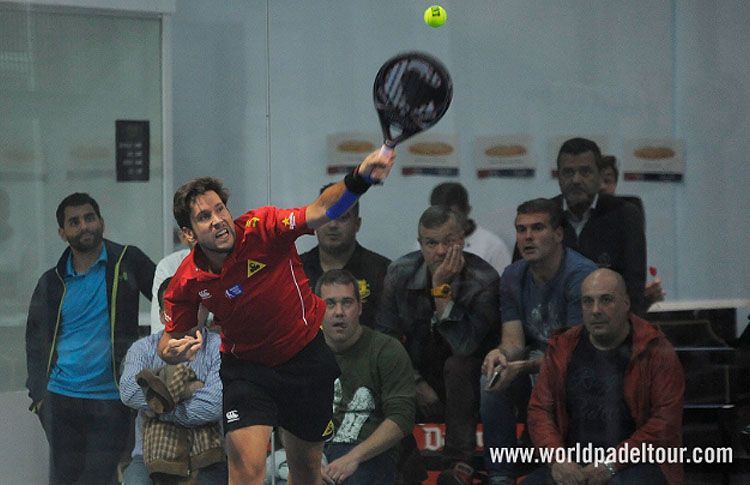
[{"x": 261, "y": 299}]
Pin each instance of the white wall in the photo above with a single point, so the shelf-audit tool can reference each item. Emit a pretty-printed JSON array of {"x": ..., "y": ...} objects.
[{"x": 610, "y": 68}]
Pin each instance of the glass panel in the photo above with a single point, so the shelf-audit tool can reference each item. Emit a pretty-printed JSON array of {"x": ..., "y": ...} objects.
[{"x": 64, "y": 80}]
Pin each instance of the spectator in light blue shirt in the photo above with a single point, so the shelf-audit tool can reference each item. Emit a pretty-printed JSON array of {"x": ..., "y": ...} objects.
[
  {"x": 82, "y": 318},
  {"x": 202, "y": 408}
]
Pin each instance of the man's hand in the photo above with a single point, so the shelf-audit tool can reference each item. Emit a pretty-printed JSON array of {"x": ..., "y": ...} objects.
[
  {"x": 507, "y": 375},
  {"x": 568, "y": 474},
  {"x": 428, "y": 401},
  {"x": 182, "y": 349},
  {"x": 596, "y": 475},
  {"x": 452, "y": 265},
  {"x": 494, "y": 358},
  {"x": 341, "y": 468},
  {"x": 653, "y": 292},
  {"x": 377, "y": 166}
]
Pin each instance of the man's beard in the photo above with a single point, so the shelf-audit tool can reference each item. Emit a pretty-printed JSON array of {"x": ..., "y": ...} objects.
[{"x": 84, "y": 247}]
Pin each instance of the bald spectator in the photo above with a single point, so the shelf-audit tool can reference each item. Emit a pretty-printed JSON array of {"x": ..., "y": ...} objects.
[{"x": 614, "y": 382}]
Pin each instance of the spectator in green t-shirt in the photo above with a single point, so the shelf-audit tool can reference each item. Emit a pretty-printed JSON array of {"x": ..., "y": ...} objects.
[{"x": 374, "y": 401}]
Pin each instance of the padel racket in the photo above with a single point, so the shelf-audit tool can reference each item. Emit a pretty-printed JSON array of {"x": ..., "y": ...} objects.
[{"x": 412, "y": 91}]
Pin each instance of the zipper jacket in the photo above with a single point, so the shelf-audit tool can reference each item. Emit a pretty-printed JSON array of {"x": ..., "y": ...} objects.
[
  {"x": 129, "y": 272},
  {"x": 654, "y": 385}
]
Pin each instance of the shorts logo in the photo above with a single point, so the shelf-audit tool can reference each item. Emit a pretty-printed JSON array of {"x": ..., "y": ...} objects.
[
  {"x": 234, "y": 291},
  {"x": 290, "y": 221},
  {"x": 254, "y": 266},
  {"x": 328, "y": 433},
  {"x": 232, "y": 416},
  {"x": 252, "y": 222},
  {"x": 204, "y": 294}
]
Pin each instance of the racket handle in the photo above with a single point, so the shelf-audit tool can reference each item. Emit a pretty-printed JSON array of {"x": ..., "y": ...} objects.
[{"x": 385, "y": 150}]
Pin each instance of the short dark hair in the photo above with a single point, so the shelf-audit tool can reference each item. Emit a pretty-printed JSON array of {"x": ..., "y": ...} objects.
[
  {"x": 338, "y": 277},
  {"x": 450, "y": 194},
  {"x": 354, "y": 208},
  {"x": 160, "y": 292},
  {"x": 576, "y": 146},
  {"x": 543, "y": 206},
  {"x": 185, "y": 196},
  {"x": 609, "y": 161},
  {"x": 437, "y": 215},
  {"x": 76, "y": 199}
]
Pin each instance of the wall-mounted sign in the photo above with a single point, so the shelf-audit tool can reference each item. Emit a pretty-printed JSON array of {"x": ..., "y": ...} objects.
[
  {"x": 132, "y": 139},
  {"x": 346, "y": 150},
  {"x": 654, "y": 160},
  {"x": 503, "y": 156},
  {"x": 430, "y": 154}
]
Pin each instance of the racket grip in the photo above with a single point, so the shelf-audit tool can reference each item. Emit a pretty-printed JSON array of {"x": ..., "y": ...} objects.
[{"x": 385, "y": 150}]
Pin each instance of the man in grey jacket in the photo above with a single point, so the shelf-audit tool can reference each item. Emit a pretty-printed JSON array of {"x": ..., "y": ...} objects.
[{"x": 443, "y": 304}]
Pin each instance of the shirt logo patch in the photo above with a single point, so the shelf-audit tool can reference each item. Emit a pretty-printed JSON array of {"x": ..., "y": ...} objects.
[
  {"x": 290, "y": 221},
  {"x": 234, "y": 291},
  {"x": 232, "y": 416},
  {"x": 364, "y": 289},
  {"x": 204, "y": 294},
  {"x": 254, "y": 266},
  {"x": 252, "y": 222}
]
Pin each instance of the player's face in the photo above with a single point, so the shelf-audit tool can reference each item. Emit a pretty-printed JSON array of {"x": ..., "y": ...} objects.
[
  {"x": 605, "y": 307},
  {"x": 339, "y": 234},
  {"x": 341, "y": 323},
  {"x": 609, "y": 181},
  {"x": 535, "y": 237},
  {"x": 579, "y": 179},
  {"x": 435, "y": 242},
  {"x": 82, "y": 229},
  {"x": 212, "y": 224}
]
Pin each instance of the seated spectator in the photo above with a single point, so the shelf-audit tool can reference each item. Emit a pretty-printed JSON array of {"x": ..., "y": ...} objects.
[
  {"x": 613, "y": 382},
  {"x": 609, "y": 174},
  {"x": 178, "y": 428},
  {"x": 338, "y": 249},
  {"x": 477, "y": 239},
  {"x": 443, "y": 304},
  {"x": 165, "y": 268},
  {"x": 373, "y": 406},
  {"x": 539, "y": 294},
  {"x": 606, "y": 229}
]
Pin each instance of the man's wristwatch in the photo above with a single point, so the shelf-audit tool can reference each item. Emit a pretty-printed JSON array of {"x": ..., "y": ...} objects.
[
  {"x": 442, "y": 291},
  {"x": 610, "y": 467}
]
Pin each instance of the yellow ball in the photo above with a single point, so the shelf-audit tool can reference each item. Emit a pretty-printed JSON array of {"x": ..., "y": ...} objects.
[{"x": 435, "y": 16}]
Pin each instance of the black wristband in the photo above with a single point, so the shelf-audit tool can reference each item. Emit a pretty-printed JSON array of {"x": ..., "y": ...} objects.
[{"x": 355, "y": 183}]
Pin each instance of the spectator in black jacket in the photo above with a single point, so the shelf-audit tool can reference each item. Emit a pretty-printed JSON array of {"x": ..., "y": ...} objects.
[
  {"x": 606, "y": 229},
  {"x": 82, "y": 319}
]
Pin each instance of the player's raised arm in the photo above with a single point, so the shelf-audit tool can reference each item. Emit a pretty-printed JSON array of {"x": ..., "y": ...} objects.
[{"x": 339, "y": 197}]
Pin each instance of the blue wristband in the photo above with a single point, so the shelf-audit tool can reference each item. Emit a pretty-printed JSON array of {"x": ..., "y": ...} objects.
[{"x": 342, "y": 205}]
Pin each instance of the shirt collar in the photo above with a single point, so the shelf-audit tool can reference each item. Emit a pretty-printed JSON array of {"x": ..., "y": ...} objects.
[
  {"x": 70, "y": 271},
  {"x": 566, "y": 208}
]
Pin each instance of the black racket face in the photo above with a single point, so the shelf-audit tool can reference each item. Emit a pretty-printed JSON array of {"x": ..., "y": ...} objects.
[{"x": 412, "y": 91}]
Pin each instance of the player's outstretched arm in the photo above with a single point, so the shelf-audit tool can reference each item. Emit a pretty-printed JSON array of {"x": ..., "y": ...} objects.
[{"x": 339, "y": 197}]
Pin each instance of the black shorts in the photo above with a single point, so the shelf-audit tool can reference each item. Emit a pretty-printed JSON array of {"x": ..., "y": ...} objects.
[{"x": 296, "y": 395}]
